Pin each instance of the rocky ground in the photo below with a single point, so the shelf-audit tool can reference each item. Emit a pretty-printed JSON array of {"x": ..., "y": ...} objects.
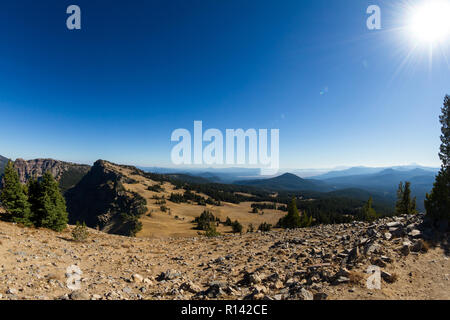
[{"x": 323, "y": 262}]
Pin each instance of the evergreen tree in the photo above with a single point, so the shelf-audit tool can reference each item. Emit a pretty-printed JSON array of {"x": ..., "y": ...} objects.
[
  {"x": 13, "y": 197},
  {"x": 437, "y": 203},
  {"x": 292, "y": 219},
  {"x": 33, "y": 198},
  {"x": 305, "y": 220},
  {"x": 369, "y": 213},
  {"x": 48, "y": 204},
  {"x": 405, "y": 204}
]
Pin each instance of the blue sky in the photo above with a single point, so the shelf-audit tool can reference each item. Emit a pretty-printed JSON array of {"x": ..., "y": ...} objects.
[{"x": 137, "y": 70}]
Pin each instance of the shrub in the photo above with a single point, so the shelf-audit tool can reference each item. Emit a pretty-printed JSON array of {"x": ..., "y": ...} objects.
[
  {"x": 265, "y": 227},
  {"x": 205, "y": 220},
  {"x": 80, "y": 232},
  {"x": 237, "y": 227},
  {"x": 211, "y": 231},
  {"x": 156, "y": 188}
]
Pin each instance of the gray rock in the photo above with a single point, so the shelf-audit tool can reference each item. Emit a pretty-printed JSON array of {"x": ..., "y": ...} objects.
[
  {"x": 12, "y": 291},
  {"x": 79, "y": 295},
  {"x": 137, "y": 278},
  {"x": 169, "y": 275},
  {"x": 306, "y": 295},
  {"x": 415, "y": 233}
]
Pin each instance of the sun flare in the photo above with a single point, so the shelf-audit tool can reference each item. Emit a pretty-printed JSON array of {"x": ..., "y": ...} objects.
[{"x": 430, "y": 22}]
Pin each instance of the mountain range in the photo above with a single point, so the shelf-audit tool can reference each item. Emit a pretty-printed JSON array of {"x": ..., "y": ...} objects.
[{"x": 355, "y": 182}]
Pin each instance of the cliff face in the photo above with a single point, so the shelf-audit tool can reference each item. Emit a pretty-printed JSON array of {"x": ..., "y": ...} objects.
[
  {"x": 68, "y": 174},
  {"x": 3, "y": 162},
  {"x": 101, "y": 201}
]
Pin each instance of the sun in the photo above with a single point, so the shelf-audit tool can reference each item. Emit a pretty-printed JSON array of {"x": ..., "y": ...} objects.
[{"x": 430, "y": 21}]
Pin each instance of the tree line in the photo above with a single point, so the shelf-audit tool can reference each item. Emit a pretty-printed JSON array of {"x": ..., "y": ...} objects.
[{"x": 38, "y": 203}]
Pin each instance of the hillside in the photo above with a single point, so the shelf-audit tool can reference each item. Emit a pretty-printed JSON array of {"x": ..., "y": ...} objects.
[
  {"x": 324, "y": 262},
  {"x": 101, "y": 201}
]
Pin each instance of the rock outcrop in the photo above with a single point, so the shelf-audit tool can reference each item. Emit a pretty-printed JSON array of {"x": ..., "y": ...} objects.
[
  {"x": 68, "y": 174},
  {"x": 101, "y": 201}
]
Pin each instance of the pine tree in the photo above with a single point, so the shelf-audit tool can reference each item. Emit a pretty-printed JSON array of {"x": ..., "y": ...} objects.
[
  {"x": 405, "y": 204},
  {"x": 292, "y": 219},
  {"x": 13, "y": 197},
  {"x": 305, "y": 220},
  {"x": 369, "y": 213},
  {"x": 33, "y": 198},
  {"x": 48, "y": 204},
  {"x": 437, "y": 203}
]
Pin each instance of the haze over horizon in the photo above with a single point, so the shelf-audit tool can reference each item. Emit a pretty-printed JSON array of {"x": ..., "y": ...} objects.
[{"x": 340, "y": 94}]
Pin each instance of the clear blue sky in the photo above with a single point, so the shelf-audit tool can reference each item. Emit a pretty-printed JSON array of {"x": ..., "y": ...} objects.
[{"x": 140, "y": 69}]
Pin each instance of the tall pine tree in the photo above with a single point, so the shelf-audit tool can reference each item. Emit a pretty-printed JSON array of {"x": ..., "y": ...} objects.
[
  {"x": 292, "y": 219},
  {"x": 405, "y": 204},
  {"x": 13, "y": 197},
  {"x": 437, "y": 203},
  {"x": 48, "y": 204},
  {"x": 369, "y": 213}
]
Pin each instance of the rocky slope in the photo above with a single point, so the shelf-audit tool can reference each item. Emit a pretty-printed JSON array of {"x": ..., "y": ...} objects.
[
  {"x": 323, "y": 262},
  {"x": 68, "y": 174}
]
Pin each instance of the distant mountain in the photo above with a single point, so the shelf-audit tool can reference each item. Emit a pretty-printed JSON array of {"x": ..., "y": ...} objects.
[
  {"x": 354, "y": 171},
  {"x": 287, "y": 182},
  {"x": 348, "y": 172},
  {"x": 387, "y": 181}
]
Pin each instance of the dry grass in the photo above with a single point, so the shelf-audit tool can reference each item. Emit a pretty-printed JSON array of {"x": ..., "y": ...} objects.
[
  {"x": 160, "y": 224},
  {"x": 356, "y": 278},
  {"x": 394, "y": 278},
  {"x": 426, "y": 246}
]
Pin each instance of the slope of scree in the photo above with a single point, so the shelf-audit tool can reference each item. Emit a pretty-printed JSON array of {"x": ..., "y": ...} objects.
[{"x": 322, "y": 262}]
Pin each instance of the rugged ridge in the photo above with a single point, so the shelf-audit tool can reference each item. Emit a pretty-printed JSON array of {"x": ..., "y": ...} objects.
[
  {"x": 68, "y": 174},
  {"x": 101, "y": 201}
]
